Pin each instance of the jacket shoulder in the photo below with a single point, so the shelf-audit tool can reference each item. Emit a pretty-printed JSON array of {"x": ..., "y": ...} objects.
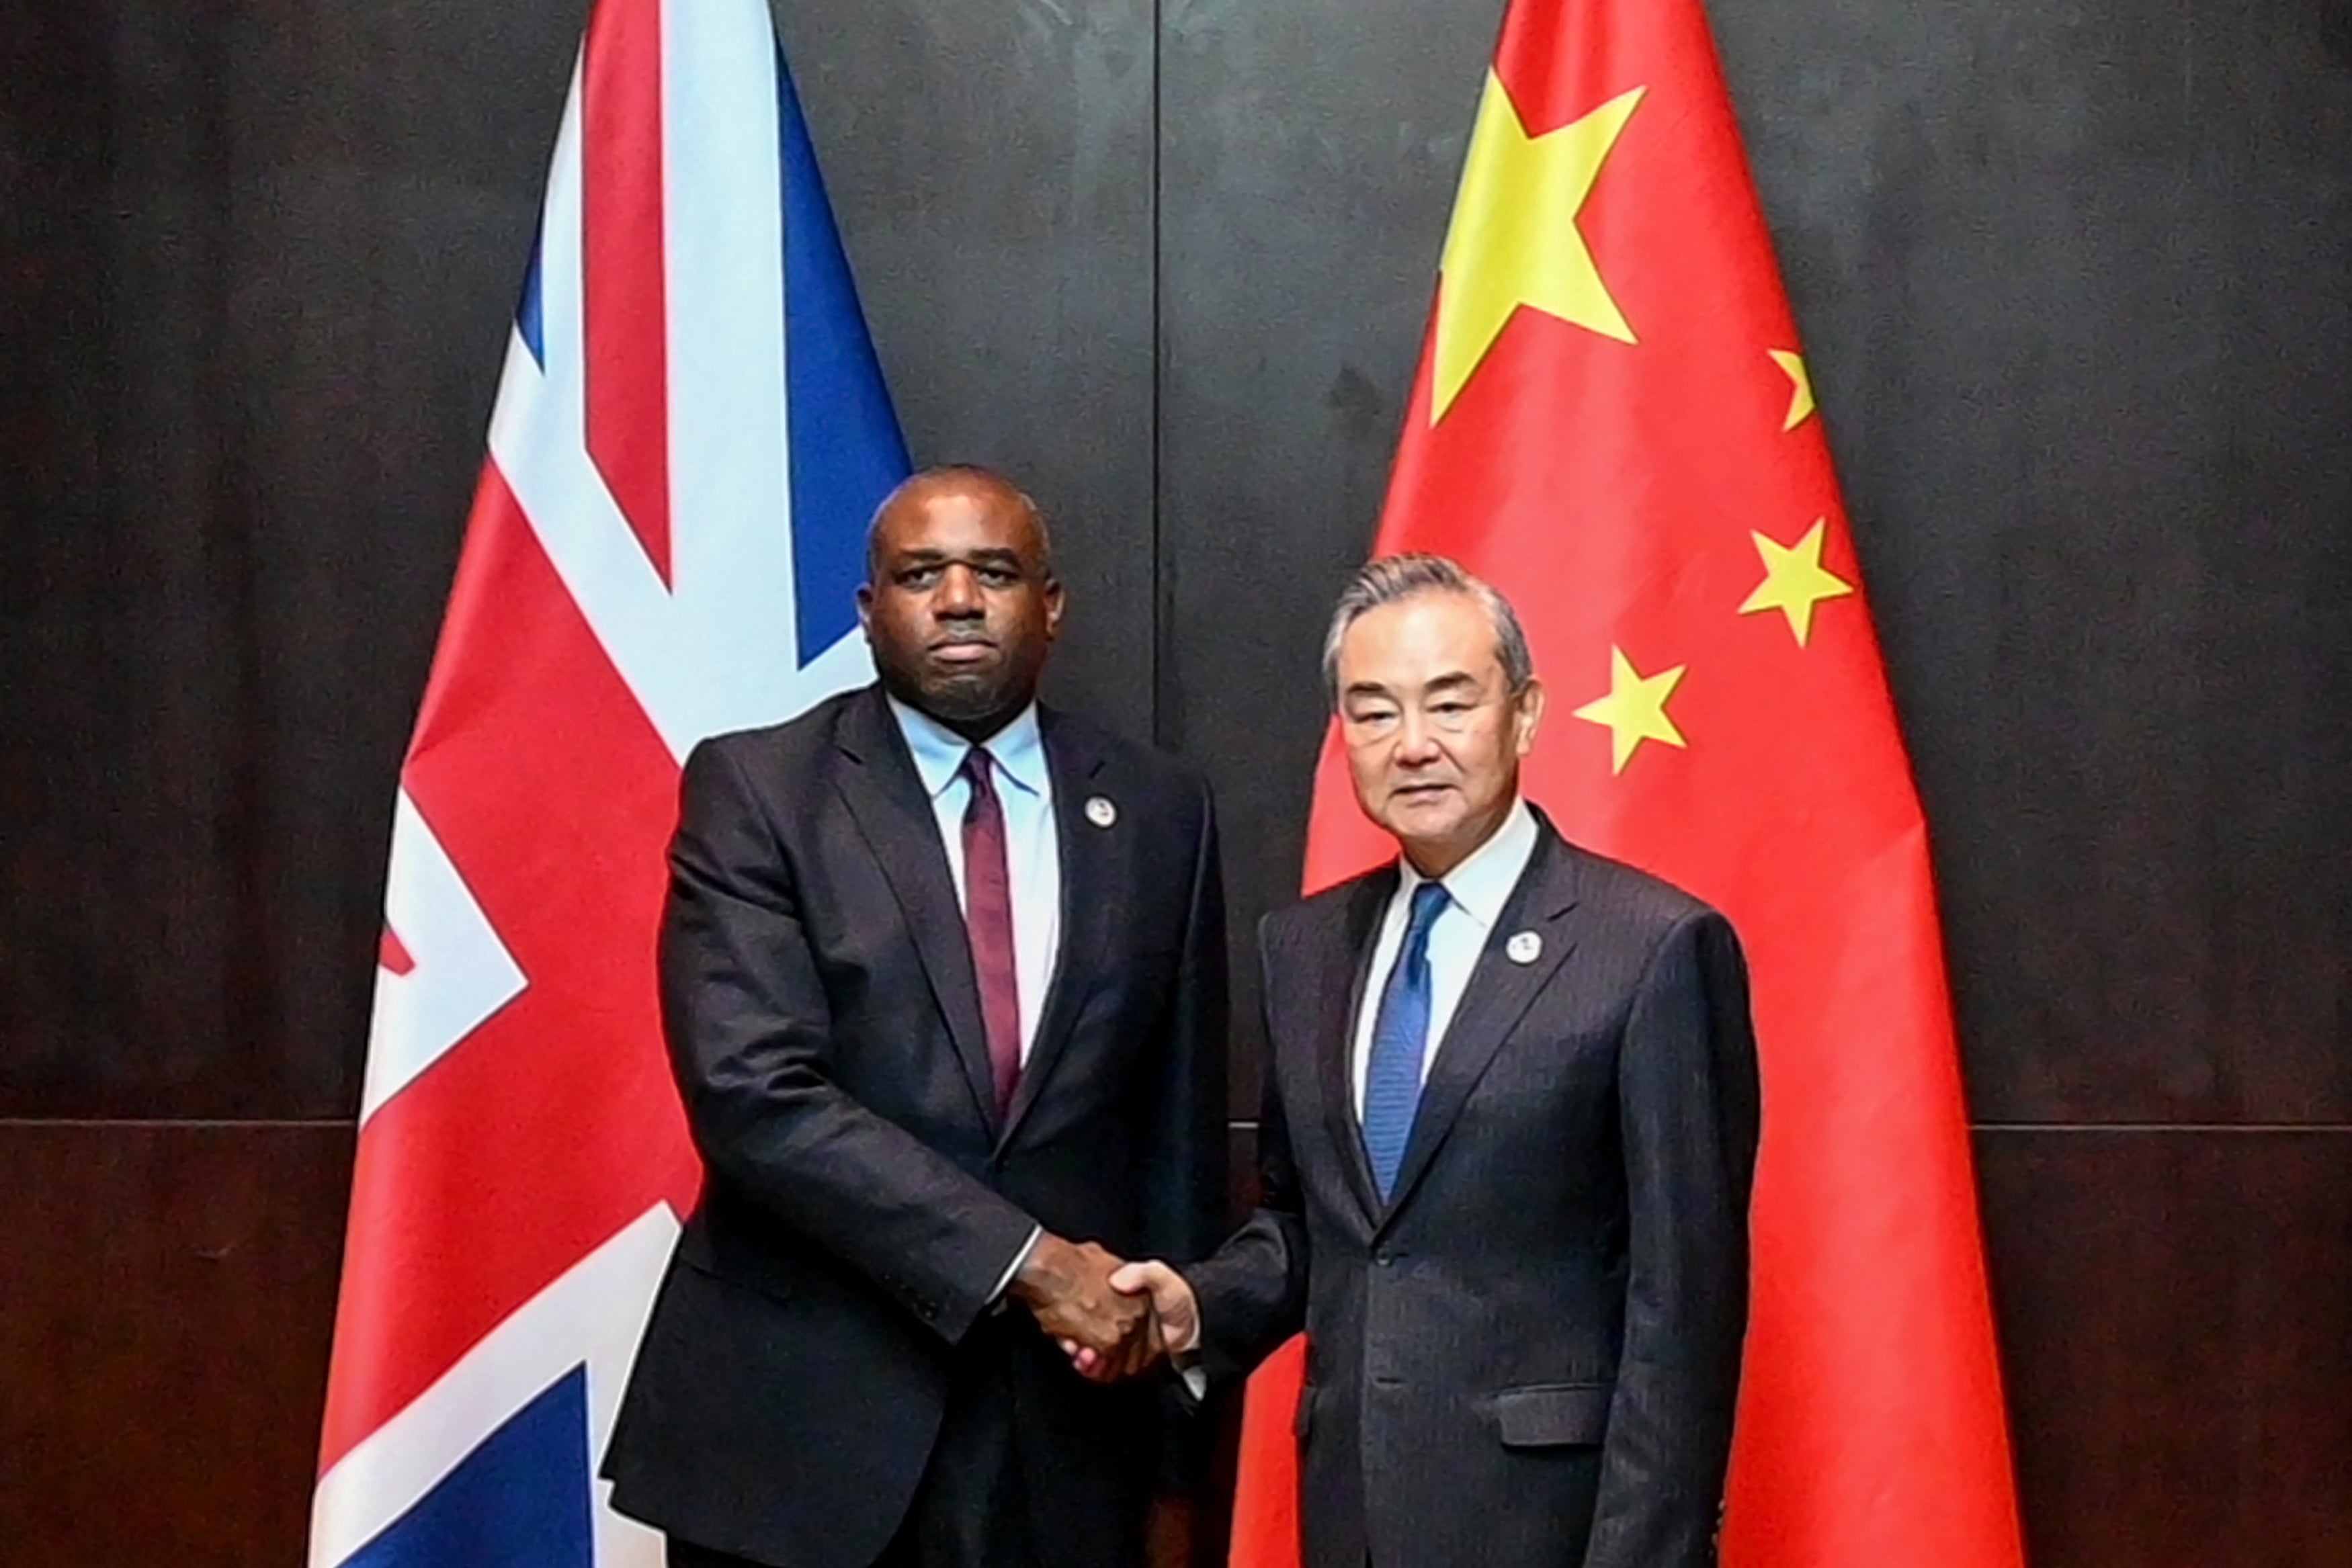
[
  {"x": 1630, "y": 895},
  {"x": 1327, "y": 910},
  {"x": 766, "y": 747}
]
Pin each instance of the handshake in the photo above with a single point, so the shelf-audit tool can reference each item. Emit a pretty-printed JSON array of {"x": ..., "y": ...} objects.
[{"x": 1113, "y": 1319}]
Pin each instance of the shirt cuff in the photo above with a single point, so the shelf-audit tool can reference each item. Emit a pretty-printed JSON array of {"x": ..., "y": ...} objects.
[
  {"x": 1195, "y": 1376},
  {"x": 1012, "y": 1270}
]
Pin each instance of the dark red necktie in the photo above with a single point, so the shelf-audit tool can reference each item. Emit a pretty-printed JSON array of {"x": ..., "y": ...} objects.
[{"x": 988, "y": 917}]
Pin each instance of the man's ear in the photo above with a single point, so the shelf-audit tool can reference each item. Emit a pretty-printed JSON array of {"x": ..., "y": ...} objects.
[
  {"x": 865, "y": 607},
  {"x": 1529, "y": 717},
  {"x": 1055, "y": 604}
]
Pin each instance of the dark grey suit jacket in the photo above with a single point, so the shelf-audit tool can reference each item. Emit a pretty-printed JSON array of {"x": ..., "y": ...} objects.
[
  {"x": 860, "y": 1199},
  {"x": 1532, "y": 1354}
]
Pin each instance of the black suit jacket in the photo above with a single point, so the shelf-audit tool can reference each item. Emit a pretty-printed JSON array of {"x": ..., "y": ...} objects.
[
  {"x": 1532, "y": 1354},
  {"x": 861, "y": 1200}
]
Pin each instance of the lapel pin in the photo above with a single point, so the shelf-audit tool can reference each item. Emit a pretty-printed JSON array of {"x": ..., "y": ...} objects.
[
  {"x": 1100, "y": 811},
  {"x": 1525, "y": 947}
]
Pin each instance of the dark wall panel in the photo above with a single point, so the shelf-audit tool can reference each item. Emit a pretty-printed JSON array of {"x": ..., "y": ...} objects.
[
  {"x": 272, "y": 256},
  {"x": 2173, "y": 1308},
  {"x": 2077, "y": 286},
  {"x": 378, "y": 213},
  {"x": 1309, "y": 158},
  {"x": 990, "y": 164},
  {"x": 164, "y": 1335}
]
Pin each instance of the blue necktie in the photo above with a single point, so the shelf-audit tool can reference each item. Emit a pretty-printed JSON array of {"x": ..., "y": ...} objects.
[{"x": 1400, "y": 1040}]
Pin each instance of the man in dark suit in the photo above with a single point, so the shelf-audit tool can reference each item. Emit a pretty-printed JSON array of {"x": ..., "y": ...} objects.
[
  {"x": 942, "y": 981},
  {"x": 1509, "y": 1132}
]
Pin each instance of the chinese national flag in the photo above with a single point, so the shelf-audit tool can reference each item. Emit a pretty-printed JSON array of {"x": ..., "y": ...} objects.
[{"x": 1612, "y": 424}]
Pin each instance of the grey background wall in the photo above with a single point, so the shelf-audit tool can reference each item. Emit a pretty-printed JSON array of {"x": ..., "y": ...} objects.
[{"x": 2076, "y": 283}]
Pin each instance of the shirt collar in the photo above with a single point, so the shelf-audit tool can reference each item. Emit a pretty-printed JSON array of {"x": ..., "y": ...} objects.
[
  {"x": 1018, "y": 750},
  {"x": 1482, "y": 884}
]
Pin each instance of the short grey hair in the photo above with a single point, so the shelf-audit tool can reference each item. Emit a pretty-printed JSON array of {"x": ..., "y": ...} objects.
[{"x": 1395, "y": 578}]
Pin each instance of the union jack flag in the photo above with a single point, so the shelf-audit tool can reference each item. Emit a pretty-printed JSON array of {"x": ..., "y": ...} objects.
[{"x": 690, "y": 435}]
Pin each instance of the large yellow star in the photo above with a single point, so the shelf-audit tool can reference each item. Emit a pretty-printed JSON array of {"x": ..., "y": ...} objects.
[
  {"x": 1635, "y": 708},
  {"x": 1514, "y": 240},
  {"x": 1800, "y": 401},
  {"x": 1795, "y": 580}
]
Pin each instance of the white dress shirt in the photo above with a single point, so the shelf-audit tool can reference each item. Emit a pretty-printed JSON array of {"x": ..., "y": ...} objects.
[
  {"x": 1033, "y": 850},
  {"x": 1476, "y": 890}
]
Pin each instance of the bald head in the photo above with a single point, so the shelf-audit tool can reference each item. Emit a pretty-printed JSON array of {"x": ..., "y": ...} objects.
[{"x": 957, "y": 482}]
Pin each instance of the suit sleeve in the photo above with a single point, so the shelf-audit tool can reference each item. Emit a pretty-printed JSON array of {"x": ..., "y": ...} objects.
[
  {"x": 1185, "y": 1174},
  {"x": 1688, "y": 1109},
  {"x": 746, "y": 1018},
  {"x": 1184, "y": 1187},
  {"x": 1253, "y": 1292}
]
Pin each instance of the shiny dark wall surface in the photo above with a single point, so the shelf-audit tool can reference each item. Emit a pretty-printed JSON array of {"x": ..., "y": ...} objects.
[{"x": 2076, "y": 286}]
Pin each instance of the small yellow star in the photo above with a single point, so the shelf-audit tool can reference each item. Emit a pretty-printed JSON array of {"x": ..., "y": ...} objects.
[
  {"x": 1795, "y": 580},
  {"x": 1800, "y": 402},
  {"x": 1514, "y": 239},
  {"x": 1635, "y": 708}
]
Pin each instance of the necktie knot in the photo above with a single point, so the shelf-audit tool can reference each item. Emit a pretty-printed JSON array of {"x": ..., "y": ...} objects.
[
  {"x": 1429, "y": 902},
  {"x": 977, "y": 772}
]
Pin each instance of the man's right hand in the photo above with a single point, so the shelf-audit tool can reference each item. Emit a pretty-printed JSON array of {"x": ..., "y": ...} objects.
[
  {"x": 1175, "y": 1316},
  {"x": 1068, "y": 1285},
  {"x": 1174, "y": 1305}
]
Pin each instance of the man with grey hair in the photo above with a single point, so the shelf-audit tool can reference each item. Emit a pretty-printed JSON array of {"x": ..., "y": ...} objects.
[
  {"x": 1509, "y": 1137},
  {"x": 1398, "y": 577}
]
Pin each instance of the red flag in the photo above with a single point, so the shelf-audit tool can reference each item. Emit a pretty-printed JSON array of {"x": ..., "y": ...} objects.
[{"x": 1612, "y": 424}]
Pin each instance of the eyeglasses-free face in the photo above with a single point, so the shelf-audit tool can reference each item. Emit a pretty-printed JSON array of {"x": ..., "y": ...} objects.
[{"x": 1434, "y": 731}]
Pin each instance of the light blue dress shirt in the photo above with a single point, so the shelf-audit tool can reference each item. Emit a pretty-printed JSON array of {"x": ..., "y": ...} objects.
[{"x": 1033, "y": 848}]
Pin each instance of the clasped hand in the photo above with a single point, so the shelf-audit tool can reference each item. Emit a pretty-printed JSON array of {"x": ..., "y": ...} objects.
[{"x": 1115, "y": 1320}]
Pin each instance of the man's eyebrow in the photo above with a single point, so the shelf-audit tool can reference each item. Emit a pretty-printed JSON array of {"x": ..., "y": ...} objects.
[
  {"x": 1366, "y": 689},
  {"x": 1453, "y": 681},
  {"x": 925, "y": 556}
]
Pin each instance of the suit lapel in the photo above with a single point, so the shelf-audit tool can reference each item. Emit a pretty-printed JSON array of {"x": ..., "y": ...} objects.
[
  {"x": 1089, "y": 866},
  {"x": 886, "y": 797},
  {"x": 1346, "y": 980},
  {"x": 1497, "y": 996}
]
